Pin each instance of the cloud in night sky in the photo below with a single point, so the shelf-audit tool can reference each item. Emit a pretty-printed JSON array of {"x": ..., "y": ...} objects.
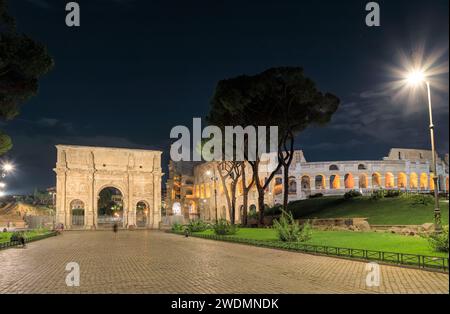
[{"x": 44, "y": 4}]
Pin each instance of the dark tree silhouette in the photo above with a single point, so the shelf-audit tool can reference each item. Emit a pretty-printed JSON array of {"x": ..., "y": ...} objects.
[
  {"x": 22, "y": 62},
  {"x": 281, "y": 97}
]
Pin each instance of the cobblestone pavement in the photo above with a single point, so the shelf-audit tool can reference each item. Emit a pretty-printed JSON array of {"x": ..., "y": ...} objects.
[{"x": 156, "y": 262}]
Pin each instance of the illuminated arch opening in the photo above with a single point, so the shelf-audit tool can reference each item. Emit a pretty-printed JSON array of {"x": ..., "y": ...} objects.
[
  {"x": 278, "y": 187},
  {"x": 320, "y": 182},
  {"x": 376, "y": 180},
  {"x": 349, "y": 182},
  {"x": 292, "y": 188},
  {"x": 413, "y": 181},
  {"x": 423, "y": 183},
  {"x": 335, "y": 182},
  {"x": 432, "y": 181},
  {"x": 306, "y": 183},
  {"x": 402, "y": 180},
  {"x": 363, "y": 181},
  {"x": 389, "y": 180}
]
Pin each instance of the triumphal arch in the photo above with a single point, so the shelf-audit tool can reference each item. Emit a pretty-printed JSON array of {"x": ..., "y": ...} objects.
[{"x": 99, "y": 186}]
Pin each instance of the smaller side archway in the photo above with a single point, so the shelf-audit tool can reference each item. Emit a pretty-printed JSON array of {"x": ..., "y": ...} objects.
[
  {"x": 142, "y": 210},
  {"x": 77, "y": 212}
]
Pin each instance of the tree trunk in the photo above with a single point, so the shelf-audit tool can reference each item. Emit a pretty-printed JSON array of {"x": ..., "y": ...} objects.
[
  {"x": 223, "y": 179},
  {"x": 233, "y": 203},
  {"x": 286, "y": 156},
  {"x": 244, "y": 197},
  {"x": 286, "y": 187},
  {"x": 245, "y": 208},
  {"x": 261, "y": 206}
]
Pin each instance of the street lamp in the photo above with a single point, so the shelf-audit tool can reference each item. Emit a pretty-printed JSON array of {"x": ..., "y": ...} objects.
[
  {"x": 7, "y": 167},
  {"x": 417, "y": 77},
  {"x": 214, "y": 179}
]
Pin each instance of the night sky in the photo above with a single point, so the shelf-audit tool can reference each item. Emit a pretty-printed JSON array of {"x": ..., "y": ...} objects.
[{"x": 134, "y": 69}]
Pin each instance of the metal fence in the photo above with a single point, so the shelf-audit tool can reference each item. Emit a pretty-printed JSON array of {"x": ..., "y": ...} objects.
[
  {"x": 414, "y": 260},
  {"x": 109, "y": 220},
  {"x": 36, "y": 222},
  {"x": 5, "y": 245}
]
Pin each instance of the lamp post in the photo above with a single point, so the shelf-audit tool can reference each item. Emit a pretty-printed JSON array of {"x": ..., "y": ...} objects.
[
  {"x": 214, "y": 179},
  {"x": 418, "y": 77},
  {"x": 5, "y": 169}
]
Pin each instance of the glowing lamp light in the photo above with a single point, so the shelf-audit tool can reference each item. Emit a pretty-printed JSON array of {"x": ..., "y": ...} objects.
[
  {"x": 7, "y": 167},
  {"x": 2, "y": 185},
  {"x": 2, "y": 193},
  {"x": 415, "y": 77}
]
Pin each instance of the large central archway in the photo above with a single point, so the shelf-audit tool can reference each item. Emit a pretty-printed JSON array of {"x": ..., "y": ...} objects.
[{"x": 110, "y": 207}]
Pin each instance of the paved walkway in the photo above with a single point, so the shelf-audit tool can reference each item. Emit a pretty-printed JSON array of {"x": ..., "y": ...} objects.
[{"x": 156, "y": 262}]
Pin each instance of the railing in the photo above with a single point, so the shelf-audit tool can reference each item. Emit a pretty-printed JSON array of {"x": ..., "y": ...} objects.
[
  {"x": 5, "y": 245},
  {"x": 109, "y": 220},
  {"x": 414, "y": 260}
]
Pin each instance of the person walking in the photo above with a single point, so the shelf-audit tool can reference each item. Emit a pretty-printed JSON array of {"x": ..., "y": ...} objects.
[{"x": 115, "y": 229}]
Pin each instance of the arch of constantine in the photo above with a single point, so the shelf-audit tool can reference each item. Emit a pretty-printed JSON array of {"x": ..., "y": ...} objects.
[{"x": 98, "y": 186}]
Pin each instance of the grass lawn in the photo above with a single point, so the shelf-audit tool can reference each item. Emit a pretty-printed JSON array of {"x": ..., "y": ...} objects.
[
  {"x": 5, "y": 236},
  {"x": 387, "y": 211},
  {"x": 358, "y": 240}
]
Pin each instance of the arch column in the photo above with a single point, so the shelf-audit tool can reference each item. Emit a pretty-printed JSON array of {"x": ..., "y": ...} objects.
[
  {"x": 355, "y": 182},
  {"x": 298, "y": 182},
  {"x": 89, "y": 211}
]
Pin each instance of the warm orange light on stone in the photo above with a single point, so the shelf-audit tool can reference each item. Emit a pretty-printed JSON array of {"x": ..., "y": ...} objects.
[
  {"x": 389, "y": 179},
  {"x": 349, "y": 181}
]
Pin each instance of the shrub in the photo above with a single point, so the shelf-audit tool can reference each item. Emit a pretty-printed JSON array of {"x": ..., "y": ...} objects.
[
  {"x": 421, "y": 199},
  {"x": 252, "y": 214},
  {"x": 393, "y": 193},
  {"x": 317, "y": 195},
  {"x": 198, "y": 225},
  {"x": 177, "y": 227},
  {"x": 223, "y": 227},
  {"x": 439, "y": 242},
  {"x": 377, "y": 195},
  {"x": 273, "y": 211},
  {"x": 351, "y": 194},
  {"x": 288, "y": 230}
]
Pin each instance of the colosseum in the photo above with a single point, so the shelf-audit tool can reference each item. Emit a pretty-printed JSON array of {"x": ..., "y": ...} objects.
[{"x": 195, "y": 190}]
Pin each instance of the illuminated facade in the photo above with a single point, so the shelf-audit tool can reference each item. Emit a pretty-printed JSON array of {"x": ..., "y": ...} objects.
[
  {"x": 83, "y": 172},
  {"x": 402, "y": 169}
]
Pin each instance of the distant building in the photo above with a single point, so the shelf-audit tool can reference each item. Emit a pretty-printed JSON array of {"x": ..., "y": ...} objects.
[{"x": 190, "y": 186}]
